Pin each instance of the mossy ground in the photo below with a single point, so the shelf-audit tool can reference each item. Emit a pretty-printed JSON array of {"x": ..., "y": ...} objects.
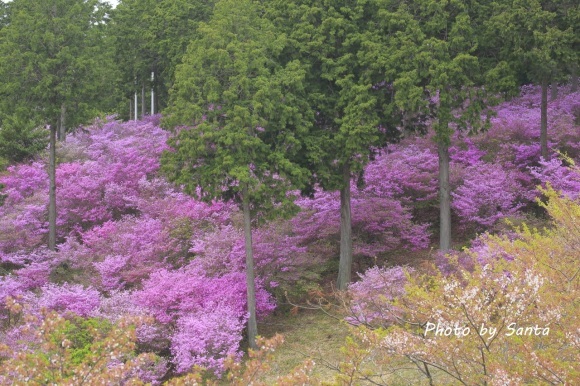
[{"x": 308, "y": 334}]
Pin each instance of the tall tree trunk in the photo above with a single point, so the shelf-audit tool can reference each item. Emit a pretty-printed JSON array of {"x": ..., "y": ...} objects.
[
  {"x": 52, "y": 190},
  {"x": 62, "y": 124},
  {"x": 152, "y": 93},
  {"x": 444, "y": 199},
  {"x": 345, "y": 263},
  {"x": 574, "y": 76},
  {"x": 250, "y": 282},
  {"x": 143, "y": 100},
  {"x": 544, "y": 121}
]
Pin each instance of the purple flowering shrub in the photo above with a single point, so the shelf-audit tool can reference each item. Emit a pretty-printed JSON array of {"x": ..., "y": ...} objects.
[
  {"x": 483, "y": 250},
  {"x": 488, "y": 193},
  {"x": 23, "y": 224},
  {"x": 208, "y": 313},
  {"x": 168, "y": 295},
  {"x": 499, "y": 180},
  {"x": 562, "y": 178},
  {"x": 406, "y": 173},
  {"x": 23, "y": 181},
  {"x": 371, "y": 297},
  {"x": 67, "y": 298},
  {"x": 206, "y": 339},
  {"x": 104, "y": 186},
  {"x": 379, "y": 224}
]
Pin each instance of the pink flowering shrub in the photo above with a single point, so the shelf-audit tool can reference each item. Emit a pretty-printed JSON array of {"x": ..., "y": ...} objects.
[
  {"x": 562, "y": 178},
  {"x": 120, "y": 227},
  {"x": 23, "y": 181},
  {"x": 23, "y": 225},
  {"x": 208, "y": 312},
  {"x": 68, "y": 298},
  {"x": 407, "y": 173},
  {"x": 507, "y": 321},
  {"x": 482, "y": 247},
  {"x": 379, "y": 224},
  {"x": 488, "y": 194},
  {"x": 518, "y": 122},
  {"x": 465, "y": 152},
  {"x": 10, "y": 287},
  {"x": 168, "y": 295},
  {"x": 103, "y": 186},
  {"x": 371, "y": 297},
  {"x": 280, "y": 260},
  {"x": 146, "y": 248},
  {"x": 126, "y": 251},
  {"x": 207, "y": 338}
]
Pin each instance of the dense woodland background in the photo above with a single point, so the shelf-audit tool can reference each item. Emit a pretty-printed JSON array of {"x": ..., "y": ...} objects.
[{"x": 179, "y": 176}]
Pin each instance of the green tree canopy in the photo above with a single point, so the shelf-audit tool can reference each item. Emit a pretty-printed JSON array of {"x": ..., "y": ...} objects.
[
  {"x": 429, "y": 53},
  {"x": 539, "y": 38},
  {"x": 152, "y": 36},
  {"x": 349, "y": 97},
  {"x": 54, "y": 68},
  {"x": 243, "y": 116},
  {"x": 3, "y": 14}
]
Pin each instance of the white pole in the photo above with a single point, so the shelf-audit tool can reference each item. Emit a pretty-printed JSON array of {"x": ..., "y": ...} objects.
[
  {"x": 135, "y": 105},
  {"x": 152, "y": 94}
]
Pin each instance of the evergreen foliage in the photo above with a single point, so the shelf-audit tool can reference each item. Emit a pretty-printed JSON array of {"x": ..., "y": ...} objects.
[
  {"x": 152, "y": 36},
  {"x": 245, "y": 120},
  {"x": 55, "y": 68},
  {"x": 349, "y": 97}
]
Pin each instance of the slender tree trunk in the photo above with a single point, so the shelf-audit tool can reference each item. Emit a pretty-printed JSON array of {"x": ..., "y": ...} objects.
[
  {"x": 444, "y": 199},
  {"x": 52, "y": 190},
  {"x": 250, "y": 282},
  {"x": 554, "y": 90},
  {"x": 143, "y": 100},
  {"x": 345, "y": 263},
  {"x": 62, "y": 124},
  {"x": 152, "y": 92},
  {"x": 58, "y": 129},
  {"x": 544, "y": 121}
]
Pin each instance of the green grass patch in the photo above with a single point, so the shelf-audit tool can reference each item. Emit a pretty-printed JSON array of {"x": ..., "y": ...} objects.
[{"x": 308, "y": 334}]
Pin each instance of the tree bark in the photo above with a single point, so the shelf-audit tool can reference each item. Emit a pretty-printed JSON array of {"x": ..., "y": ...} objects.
[
  {"x": 62, "y": 123},
  {"x": 250, "y": 282},
  {"x": 52, "y": 190},
  {"x": 444, "y": 199},
  {"x": 345, "y": 263},
  {"x": 544, "y": 121}
]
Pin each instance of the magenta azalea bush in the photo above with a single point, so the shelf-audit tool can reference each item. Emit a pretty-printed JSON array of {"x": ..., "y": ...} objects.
[
  {"x": 488, "y": 193},
  {"x": 370, "y": 298}
]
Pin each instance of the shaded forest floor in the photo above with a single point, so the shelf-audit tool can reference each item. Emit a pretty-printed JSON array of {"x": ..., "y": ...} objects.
[
  {"x": 308, "y": 334},
  {"x": 320, "y": 335}
]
